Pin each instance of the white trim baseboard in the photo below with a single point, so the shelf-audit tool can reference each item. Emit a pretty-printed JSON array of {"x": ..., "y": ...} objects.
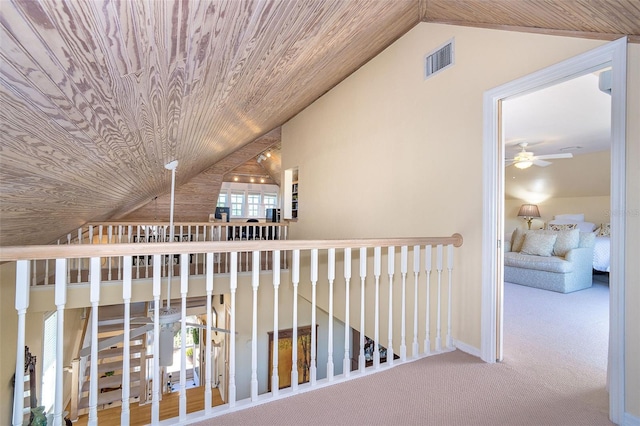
[
  {"x": 466, "y": 348},
  {"x": 630, "y": 420}
]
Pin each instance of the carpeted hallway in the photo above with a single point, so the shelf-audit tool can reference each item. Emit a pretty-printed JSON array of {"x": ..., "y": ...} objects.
[{"x": 553, "y": 373}]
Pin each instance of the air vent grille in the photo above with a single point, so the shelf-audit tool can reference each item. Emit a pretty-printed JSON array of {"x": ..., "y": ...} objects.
[{"x": 440, "y": 59}]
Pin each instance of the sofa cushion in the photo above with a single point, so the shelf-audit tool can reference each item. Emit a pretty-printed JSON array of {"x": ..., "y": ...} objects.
[
  {"x": 541, "y": 263},
  {"x": 517, "y": 238},
  {"x": 538, "y": 243},
  {"x": 567, "y": 240}
]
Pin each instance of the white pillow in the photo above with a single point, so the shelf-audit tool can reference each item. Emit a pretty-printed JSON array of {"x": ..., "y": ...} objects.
[
  {"x": 582, "y": 226},
  {"x": 574, "y": 217},
  {"x": 538, "y": 243}
]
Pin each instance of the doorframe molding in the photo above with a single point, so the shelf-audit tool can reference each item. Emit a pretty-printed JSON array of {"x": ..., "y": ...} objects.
[{"x": 614, "y": 54}]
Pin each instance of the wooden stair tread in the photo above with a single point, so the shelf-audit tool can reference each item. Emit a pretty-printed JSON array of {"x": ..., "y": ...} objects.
[
  {"x": 107, "y": 397},
  {"x": 114, "y": 366},
  {"x": 118, "y": 351},
  {"x": 113, "y": 381}
]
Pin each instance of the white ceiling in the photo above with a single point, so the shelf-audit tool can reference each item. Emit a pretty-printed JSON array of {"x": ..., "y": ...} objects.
[{"x": 560, "y": 118}]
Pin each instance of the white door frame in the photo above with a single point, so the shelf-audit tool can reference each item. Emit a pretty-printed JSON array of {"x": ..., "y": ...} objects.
[{"x": 614, "y": 54}]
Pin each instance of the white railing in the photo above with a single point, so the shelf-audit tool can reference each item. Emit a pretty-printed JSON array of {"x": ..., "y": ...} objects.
[
  {"x": 314, "y": 266},
  {"x": 43, "y": 270}
]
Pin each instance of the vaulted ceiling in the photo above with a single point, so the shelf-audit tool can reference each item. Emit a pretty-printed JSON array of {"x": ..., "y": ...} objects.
[{"x": 96, "y": 96}]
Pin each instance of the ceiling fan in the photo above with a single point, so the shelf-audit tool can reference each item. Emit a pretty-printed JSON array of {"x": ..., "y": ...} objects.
[
  {"x": 169, "y": 318},
  {"x": 525, "y": 159}
]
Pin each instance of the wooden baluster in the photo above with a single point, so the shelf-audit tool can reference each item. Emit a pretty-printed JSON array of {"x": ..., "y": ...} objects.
[
  {"x": 427, "y": 310},
  {"x": 275, "y": 383},
  {"x": 438, "y": 320},
  {"x": 346, "y": 362},
  {"x": 233, "y": 285},
  {"x": 255, "y": 282},
  {"x": 126, "y": 353},
  {"x": 377, "y": 259},
  {"x": 415, "y": 349},
  {"x": 403, "y": 309},
  {"x": 157, "y": 291},
  {"x": 94, "y": 277},
  {"x": 449, "y": 270},
  {"x": 60, "y": 297},
  {"x": 184, "y": 290},
  {"x": 363, "y": 275},
  {"x": 314, "y": 280},
  {"x": 391, "y": 265},
  {"x": 208, "y": 398},
  {"x": 22, "y": 304},
  {"x": 295, "y": 278},
  {"x": 331, "y": 263}
]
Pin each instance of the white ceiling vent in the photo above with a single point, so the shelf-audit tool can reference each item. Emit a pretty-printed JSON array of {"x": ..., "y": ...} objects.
[{"x": 439, "y": 59}]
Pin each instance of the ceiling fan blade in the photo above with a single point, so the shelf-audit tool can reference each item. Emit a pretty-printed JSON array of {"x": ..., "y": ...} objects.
[
  {"x": 554, "y": 156},
  {"x": 111, "y": 341},
  {"x": 203, "y": 326},
  {"x": 541, "y": 163}
]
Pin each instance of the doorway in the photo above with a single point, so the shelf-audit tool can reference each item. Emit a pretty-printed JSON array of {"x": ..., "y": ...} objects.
[{"x": 612, "y": 54}]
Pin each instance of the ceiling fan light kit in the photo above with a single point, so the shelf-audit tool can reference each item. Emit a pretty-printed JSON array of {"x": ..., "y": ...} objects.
[{"x": 526, "y": 159}]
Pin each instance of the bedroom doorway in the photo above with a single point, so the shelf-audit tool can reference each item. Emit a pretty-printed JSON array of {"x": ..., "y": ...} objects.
[{"x": 614, "y": 55}]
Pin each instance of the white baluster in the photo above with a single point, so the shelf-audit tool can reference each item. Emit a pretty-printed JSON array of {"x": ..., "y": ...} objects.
[
  {"x": 427, "y": 310},
  {"x": 314, "y": 280},
  {"x": 363, "y": 275},
  {"x": 233, "y": 285},
  {"x": 184, "y": 289},
  {"x": 275, "y": 383},
  {"x": 331, "y": 261},
  {"x": 255, "y": 281},
  {"x": 79, "y": 260},
  {"x": 415, "y": 350},
  {"x": 295, "y": 278},
  {"x": 22, "y": 303},
  {"x": 449, "y": 276},
  {"x": 126, "y": 354},
  {"x": 60, "y": 301},
  {"x": 208, "y": 397},
  {"x": 403, "y": 309},
  {"x": 391, "y": 265},
  {"x": 346, "y": 362},
  {"x": 94, "y": 272},
  {"x": 119, "y": 260},
  {"x": 438, "y": 320},
  {"x": 109, "y": 241},
  {"x": 377, "y": 258},
  {"x": 157, "y": 290}
]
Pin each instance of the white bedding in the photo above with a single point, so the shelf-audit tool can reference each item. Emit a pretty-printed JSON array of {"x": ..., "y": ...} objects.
[{"x": 601, "y": 254}]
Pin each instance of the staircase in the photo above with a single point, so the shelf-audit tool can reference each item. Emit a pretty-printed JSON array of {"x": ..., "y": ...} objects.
[{"x": 109, "y": 360}]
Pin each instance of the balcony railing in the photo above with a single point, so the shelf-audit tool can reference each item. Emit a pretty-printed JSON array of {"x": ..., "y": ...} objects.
[
  {"x": 43, "y": 270},
  {"x": 418, "y": 315}
]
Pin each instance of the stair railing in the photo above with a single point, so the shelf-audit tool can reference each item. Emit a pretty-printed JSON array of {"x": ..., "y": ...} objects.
[{"x": 314, "y": 279}]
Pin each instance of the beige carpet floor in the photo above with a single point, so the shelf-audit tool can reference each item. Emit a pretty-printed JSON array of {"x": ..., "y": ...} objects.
[{"x": 553, "y": 373}]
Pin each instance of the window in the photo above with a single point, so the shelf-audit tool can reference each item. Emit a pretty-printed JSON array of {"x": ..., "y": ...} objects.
[
  {"x": 49, "y": 361},
  {"x": 237, "y": 204},
  {"x": 222, "y": 200},
  {"x": 270, "y": 201},
  {"x": 253, "y": 203}
]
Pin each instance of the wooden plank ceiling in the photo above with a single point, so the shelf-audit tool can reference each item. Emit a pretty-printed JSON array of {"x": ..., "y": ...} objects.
[{"x": 96, "y": 96}]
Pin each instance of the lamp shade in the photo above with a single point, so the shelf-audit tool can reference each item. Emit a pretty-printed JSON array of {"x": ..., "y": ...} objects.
[{"x": 529, "y": 210}]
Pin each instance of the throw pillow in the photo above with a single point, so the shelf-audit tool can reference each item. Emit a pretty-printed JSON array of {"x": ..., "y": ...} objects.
[
  {"x": 517, "y": 238},
  {"x": 561, "y": 227},
  {"x": 539, "y": 244},
  {"x": 604, "y": 230},
  {"x": 566, "y": 241}
]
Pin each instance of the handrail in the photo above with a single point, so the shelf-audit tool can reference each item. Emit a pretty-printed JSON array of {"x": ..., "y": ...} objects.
[{"x": 44, "y": 252}]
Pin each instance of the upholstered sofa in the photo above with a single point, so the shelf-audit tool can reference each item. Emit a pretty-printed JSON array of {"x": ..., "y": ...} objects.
[{"x": 551, "y": 260}]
